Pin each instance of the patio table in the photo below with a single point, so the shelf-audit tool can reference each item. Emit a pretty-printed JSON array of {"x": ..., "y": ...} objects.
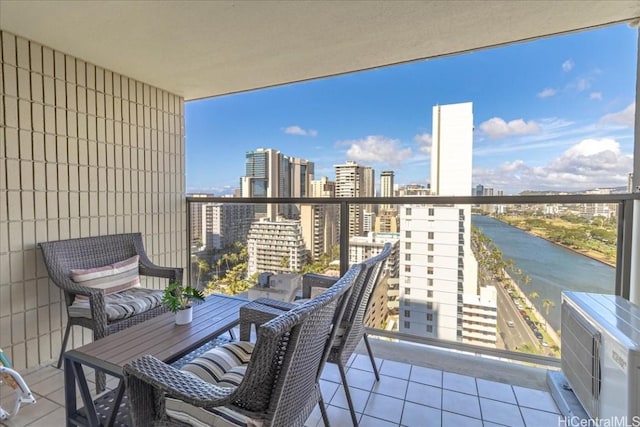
[{"x": 159, "y": 336}]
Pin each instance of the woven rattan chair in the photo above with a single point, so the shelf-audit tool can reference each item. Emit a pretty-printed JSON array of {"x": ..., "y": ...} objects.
[
  {"x": 62, "y": 256},
  {"x": 351, "y": 328},
  {"x": 278, "y": 385}
]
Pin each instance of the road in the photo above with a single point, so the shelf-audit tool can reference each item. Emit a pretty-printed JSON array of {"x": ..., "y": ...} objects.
[{"x": 520, "y": 333}]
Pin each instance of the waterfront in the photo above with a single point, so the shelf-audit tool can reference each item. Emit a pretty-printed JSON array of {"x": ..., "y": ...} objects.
[{"x": 552, "y": 268}]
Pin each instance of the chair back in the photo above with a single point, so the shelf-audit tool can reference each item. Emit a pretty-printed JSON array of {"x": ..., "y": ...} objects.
[
  {"x": 61, "y": 256},
  {"x": 352, "y": 325},
  {"x": 281, "y": 378}
]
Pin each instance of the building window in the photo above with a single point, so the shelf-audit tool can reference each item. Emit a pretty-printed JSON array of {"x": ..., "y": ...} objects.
[
  {"x": 407, "y": 313},
  {"x": 407, "y": 291},
  {"x": 407, "y": 269},
  {"x": 429, "y": 270},
  {"x": 407, "y": 325},
  {"x": 430, "y": 317},
  {"x": 429, "y": 282},
  {"x": 429, "y": 305},
  {"x": 429, "y": 294},
  {"x": 407, "y": 234},
  {"x": 429, "y": 258},
  {"x": 407, "y": 257},
  {"x": 430, "y": 235},
  {"x": 407, "y": 303},
  {"x": 407, "y": 279},
  {"x": 407, "y": 245},
  {"x": 407, "y": 211},
  {"x": 431, "y": 211},
  {"x": 430, "y": 328},
  {"x": 430, "y": 247}
]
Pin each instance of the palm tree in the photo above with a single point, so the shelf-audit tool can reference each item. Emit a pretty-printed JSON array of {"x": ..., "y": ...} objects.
[
  {"x": 534, "y": 295},
  {"x": 203, "y": 267},
  {"x": 547, "y": 304}
]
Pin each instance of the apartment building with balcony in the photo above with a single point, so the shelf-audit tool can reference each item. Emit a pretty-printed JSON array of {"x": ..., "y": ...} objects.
[
  {"x": 275, "y": 247},
  {"x": 224, "y": 224}
]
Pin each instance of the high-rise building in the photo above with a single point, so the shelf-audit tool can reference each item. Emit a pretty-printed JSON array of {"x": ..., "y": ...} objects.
[
  {"x": 269, "y": 173},
  {"x": 275, "y": 246},
  {"x": 386, "y": 188},
  {"x": 224, "y": 224},
  {"x": 437, "y": 266},
  {"x": 353, "y": 181},
  {"x": 320, "y": 221},
  {"x": 413, "y": 190},
  {"x": 368, "y": 221},
  {"x": 195, "y": 217},
  {"x": 630, "y": 184}
]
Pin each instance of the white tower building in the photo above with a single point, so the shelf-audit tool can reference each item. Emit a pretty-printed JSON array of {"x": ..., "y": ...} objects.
[{"x": 437, "y": 266}]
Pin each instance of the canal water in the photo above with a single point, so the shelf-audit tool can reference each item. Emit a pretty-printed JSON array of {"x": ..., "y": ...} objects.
[{"x": 552, "y": 268}]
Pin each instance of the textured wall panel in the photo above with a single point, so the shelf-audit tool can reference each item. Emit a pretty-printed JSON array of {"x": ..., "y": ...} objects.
[{"x": 84, "y": 152}]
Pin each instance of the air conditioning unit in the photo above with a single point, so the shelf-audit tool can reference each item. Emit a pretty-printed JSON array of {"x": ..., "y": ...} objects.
[{"x": 601, "y": 354}]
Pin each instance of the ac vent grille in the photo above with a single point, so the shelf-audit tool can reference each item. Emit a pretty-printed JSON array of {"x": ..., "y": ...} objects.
[{"x": 581, "y": 358}]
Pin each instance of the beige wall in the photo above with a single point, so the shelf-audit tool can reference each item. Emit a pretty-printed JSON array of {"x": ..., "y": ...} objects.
[{"x": 84, "y": 152}]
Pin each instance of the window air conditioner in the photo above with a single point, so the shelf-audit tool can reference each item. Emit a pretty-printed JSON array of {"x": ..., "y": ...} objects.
[{"x": 601, "y": 354}]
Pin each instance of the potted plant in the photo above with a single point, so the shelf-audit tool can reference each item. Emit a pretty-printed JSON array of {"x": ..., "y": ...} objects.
[{"x": 180, "y": 299}]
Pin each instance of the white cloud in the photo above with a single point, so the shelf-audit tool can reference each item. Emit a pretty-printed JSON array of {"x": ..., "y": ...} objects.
[
  {"x": 596, "y": 95},
  {"x": 625, "y": 117},
  {"x": 547, "y": 92},
  {"x": 377, "y": 149},
  {"x": 588, "y": 164},
  {"x": 583, "y": 84},
  {"x": 424, "y": 141},
  {"x": 297, "y": 130},
  {"x": 497, "y": 128},
  {"x": 568, "y": 65}
]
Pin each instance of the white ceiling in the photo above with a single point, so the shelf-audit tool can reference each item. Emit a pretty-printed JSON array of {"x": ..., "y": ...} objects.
[{"x": 201, "y": 48}]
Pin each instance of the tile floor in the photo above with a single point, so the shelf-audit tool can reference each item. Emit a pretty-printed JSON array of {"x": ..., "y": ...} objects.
[{"x": 407, "y": 395}]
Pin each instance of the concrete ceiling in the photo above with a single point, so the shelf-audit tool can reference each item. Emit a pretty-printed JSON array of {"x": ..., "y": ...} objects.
[{"x": 200, "y": 49}]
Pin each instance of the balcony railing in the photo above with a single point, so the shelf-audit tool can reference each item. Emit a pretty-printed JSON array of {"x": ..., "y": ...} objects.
[{"x": 414, "y": 303}]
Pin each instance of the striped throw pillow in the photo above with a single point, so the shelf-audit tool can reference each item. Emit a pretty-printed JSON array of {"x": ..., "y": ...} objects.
[{"x": 111, "y": 278}]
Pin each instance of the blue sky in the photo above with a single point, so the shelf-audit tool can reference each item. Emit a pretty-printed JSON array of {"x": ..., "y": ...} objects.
[{"x": 551, "y": 114}]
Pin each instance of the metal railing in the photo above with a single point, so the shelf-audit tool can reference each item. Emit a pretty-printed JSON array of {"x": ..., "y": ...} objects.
[{"x": 624, "y": 243}]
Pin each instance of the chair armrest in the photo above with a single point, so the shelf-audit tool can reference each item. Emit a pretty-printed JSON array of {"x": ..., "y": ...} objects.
[
  {"x": 146, "y": 376},
  {"x": 312, "y": 280},
  {"x": 147, "y": 268},
  {"x": 256, "y": 313}
]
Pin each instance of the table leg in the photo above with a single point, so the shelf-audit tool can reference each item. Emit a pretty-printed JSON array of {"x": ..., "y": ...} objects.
[
  {"x": 69, "y": 392},
  {"x": 90, "y": 408}
]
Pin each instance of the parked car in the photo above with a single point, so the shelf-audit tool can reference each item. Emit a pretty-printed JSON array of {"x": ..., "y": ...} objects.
[
  {"x": 538, "y": 335},
  {"x": 510, "y": 323},
  {"x": 545, "y": 344}
]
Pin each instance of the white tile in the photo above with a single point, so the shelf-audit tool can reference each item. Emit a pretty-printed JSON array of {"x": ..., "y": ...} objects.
[
  {"x": 424, "y": 394},
  {"x": 360, "y": 379},
  {"x": 338, "y": 417},
  {"x": 390, "y": 386},
  {"x": 420, "y": 415},
  {"x": 459, "y": 383},
  {"x": 32, "y": 412},
  {"x": 328, "y": 389},
  {"x": 496, "y": 391},
  {"x": 461, "y": 403},
  {"x": 359, "y": 398},
  {"x": 331, "y": 373},
  {"x": 501, "y": 413},
  {"x": 535, "y": 418},
  {"x": 429, "y": 376},
  {"x": 55, "y": 418},
  {"x": 535, "y": 399},
  {"x": 376, "y": 422},
  {"x": 385, "y": 407},
  {"x": 361, "y": 361},
  {"x": 395, "y": 369},
  {"x": 456, "y": 420}
]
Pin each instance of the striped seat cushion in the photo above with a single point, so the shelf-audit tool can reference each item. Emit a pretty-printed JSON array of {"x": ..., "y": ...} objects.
[
  {"x": 110, "y": 278},
  {"x": 121, "y": 305},
  {"x": 224, "y": 366}
]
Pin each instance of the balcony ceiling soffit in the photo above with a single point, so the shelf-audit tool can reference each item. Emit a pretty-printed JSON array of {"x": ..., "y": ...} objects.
[{"x": 199, "y": 49}]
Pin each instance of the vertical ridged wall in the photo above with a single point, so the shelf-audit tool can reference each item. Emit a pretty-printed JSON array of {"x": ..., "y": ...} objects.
[{"x": 83, "y": 152}]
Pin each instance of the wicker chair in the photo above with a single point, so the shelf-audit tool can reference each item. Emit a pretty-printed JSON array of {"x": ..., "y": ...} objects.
[
  {"x": 351, "y": 328},
  {"x": 62, "y": 256},
  {"x": 277, "y": 386}
]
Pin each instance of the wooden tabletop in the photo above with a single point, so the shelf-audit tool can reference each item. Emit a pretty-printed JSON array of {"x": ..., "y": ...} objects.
[{"x": 161, "y": 337}]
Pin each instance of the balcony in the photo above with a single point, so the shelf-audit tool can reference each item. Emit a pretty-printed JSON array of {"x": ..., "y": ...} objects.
[{"x": 93, "y": 143}]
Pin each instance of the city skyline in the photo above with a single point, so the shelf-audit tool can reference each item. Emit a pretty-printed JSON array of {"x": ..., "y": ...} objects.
[{"x": 551, "y": 114}]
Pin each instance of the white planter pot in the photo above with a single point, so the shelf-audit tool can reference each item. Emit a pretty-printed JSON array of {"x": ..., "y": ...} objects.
[{"x": 185, "y": 316}]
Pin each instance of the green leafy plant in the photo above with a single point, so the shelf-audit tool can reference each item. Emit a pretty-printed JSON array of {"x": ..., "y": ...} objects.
[{"x": 177, "y": 297}]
